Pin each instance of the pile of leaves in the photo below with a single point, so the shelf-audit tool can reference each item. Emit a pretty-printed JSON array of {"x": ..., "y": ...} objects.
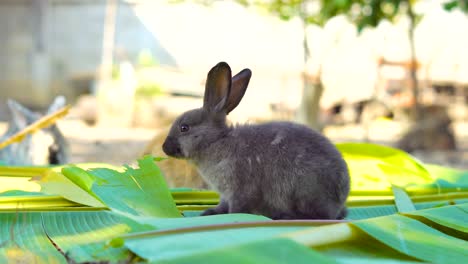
[{"x": 400, "y": 210}]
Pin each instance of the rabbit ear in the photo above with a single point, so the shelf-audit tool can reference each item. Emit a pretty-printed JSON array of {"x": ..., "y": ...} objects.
[
  {"x": 238, "y": 87},
  {"x": 20, "y": 114},
  {"x": 217, "y": 89},
  {"x": 58, "y": 103}
]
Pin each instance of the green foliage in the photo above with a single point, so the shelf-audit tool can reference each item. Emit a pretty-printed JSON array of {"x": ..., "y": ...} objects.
[
  {"x": 456, "y": 4},
  {"x": 172, "y": 223},
  {"x": 148, "y": 89},
  {"x": 170, "y": 247},
  {"x": 23, "y": 240},
  {"x": 450, "y": 216},
  {"x": 84, "y": 236},
  {"x": 275, "y": 250},
  {"x": 129, "y": 215},
  {"x": 146, "y": 59},
  {"x": 415, "y": 239},
  {"x": 142, "y": 192},
  {"x": 362, "y": 13},
  {"x": 376, "y": 167}
]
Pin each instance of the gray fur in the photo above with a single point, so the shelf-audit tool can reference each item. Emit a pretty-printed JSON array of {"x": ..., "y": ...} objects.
[
  {"x": 45, "y": 147},
  {"x": 281, "y": 170}
]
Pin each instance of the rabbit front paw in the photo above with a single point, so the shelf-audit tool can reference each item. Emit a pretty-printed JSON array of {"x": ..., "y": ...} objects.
[{"x": 221, "y": 208}]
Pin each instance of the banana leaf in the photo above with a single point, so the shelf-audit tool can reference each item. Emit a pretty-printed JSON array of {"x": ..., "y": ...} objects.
[
  {"x": 84, "y": 236},
  {"x": 398, "y": 238},
  {"x": 141, "y": 192},
  {"x": 416, "y": 239},
  {"x": 23, "y": 240},
  {"x": 398, "y": 209},
  {"x": 376, "y": 167},
  {"x": 275, "y": 250}
]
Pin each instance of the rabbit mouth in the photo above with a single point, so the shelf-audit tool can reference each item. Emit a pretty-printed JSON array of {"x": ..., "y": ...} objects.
[{"x": 172, "y": 148}]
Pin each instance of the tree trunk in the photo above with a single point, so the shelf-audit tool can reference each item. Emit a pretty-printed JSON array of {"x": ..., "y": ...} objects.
[
  {"x": 308, "y": 113},
  {"x": 312, "y": 89},
  {"x": 414, "y": 85}
]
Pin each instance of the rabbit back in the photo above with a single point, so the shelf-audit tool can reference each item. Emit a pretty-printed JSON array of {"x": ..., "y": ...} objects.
[{"x": 282, "y": 169}]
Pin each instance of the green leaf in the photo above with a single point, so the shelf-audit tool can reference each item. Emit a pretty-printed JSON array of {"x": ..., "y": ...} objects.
[
  {"x": 364, "y": 212},
  {"x": 133, "y": 192},
  {"x": 84, "y": 235},
  {"x": 364, "y": 250},
  {"x": 79, "y": 177},
  {"x": 402, "y": 200},
  {"x": 448, "y": 178},
  {"x": 171, "y": 223},
  {"x": 415, "y": 239},
  {"x": 189, "y": 196},
  {"x": 454, "y": 216},
  {"x": 55, "y": 183},
  {"x": 20, "y": 193},
  {"x": 376, "y": 167},
  {"x": 449, "y": 6},
  {"x": 18, "y": 183},
  {"x": 23, "y": 240},
  {"x": 277, "y": 250},
  {"x": 159, "y": 158},
  {"x": 33, "y": 202},
  {"x": 117, "y": 242},
  {"x": 173, "y": 246}
]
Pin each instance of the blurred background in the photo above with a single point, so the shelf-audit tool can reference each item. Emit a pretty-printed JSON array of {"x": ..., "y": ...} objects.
[{"x": 392, "y": 72}]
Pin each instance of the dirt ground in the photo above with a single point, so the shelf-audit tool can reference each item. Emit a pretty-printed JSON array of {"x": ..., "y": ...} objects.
[{"x": 113, "y": 145}]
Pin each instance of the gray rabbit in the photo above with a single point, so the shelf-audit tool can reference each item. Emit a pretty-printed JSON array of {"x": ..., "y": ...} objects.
[
  {"x": 280, "y": 169},
  {"x": 45, "y": 147}
]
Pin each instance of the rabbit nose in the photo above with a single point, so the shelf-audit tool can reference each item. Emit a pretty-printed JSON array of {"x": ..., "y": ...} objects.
[{"x": 171, "y": 147}]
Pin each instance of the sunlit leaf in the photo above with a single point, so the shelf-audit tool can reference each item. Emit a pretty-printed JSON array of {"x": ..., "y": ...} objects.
[
  {"x": 145, "y": 221},
  {"x": 415, "y": 239},
  {"x": 277, "y": 250},
  {"x": 137, "y": 192},
  {"x": 189, "y": 196},
  {"x": 56, "y": 183},
  {"x": 180, "y": 245},
  {"x": 402, "y": 200},
  {"x": 35, "y": 201},
  {"x": 376, "y": 167},
  {"x": 365, "y": 250},
  {"x": 18, "y": 183},
  {"x": 448, "y": 178},
  {"x": 84, "y": 236},
  {"x": 23, "y": 240},
  {"x": 455, "y": 216},
  {"x": 18, "y": 178},
  {"x": 171, "y": 223}
]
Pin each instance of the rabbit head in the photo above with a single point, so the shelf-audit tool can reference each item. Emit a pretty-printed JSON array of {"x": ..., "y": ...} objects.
[
  {"x": 44, "y": 147},
  {"x": 197, "y": 128}
]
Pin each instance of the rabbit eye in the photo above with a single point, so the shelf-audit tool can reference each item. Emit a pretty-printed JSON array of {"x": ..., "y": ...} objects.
[{"x": 184, "y": 128}]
